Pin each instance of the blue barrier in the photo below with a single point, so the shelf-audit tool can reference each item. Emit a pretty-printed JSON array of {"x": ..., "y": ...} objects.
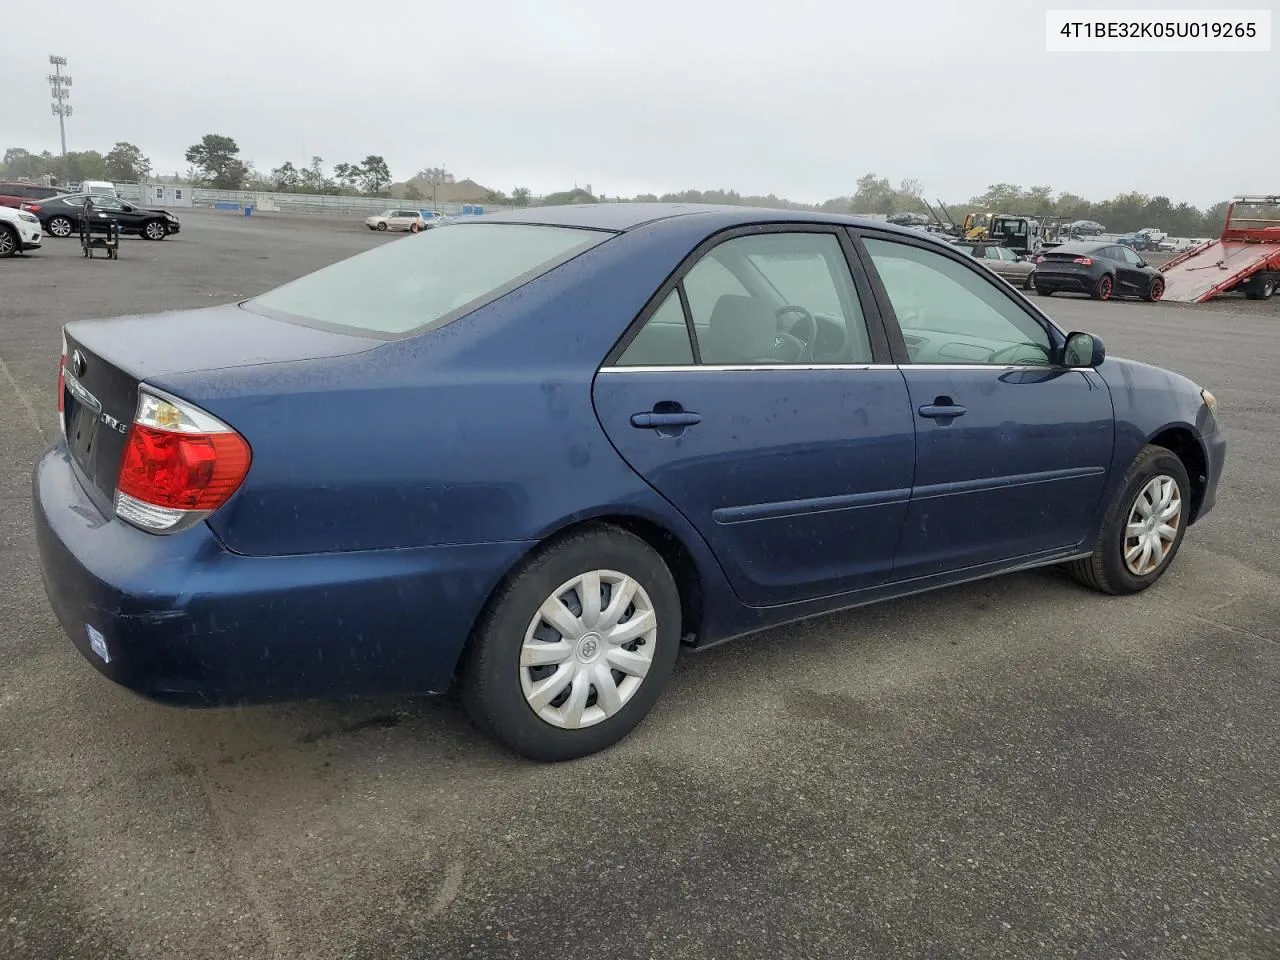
[{"x": 225, "y": 205}]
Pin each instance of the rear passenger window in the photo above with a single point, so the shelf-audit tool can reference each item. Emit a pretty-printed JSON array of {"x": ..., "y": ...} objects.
[{"x": 663, "y": 341}]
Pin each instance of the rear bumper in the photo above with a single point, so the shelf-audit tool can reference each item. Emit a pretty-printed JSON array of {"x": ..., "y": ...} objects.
[
  {"x": 1064, "y": 282},
  {"x": 186, "y": 621}
]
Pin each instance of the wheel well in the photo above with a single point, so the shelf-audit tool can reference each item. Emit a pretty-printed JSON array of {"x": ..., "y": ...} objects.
[
  {"x": 1183, "y": 444},
  {"x": 674, "y": 554}
]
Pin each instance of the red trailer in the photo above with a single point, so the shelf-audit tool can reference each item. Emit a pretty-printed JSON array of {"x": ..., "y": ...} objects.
[{"x": 1245, "y": 258}]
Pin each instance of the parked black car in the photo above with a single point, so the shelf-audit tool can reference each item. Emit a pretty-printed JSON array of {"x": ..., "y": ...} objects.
[
  {"x": 61, "y": 215},
  {"x": 1102, "y": 270}
]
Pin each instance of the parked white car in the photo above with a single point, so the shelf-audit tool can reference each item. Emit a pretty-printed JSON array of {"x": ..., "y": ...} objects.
[
  {"x": 397, "y": 219},
  {"x": 19, "y": 231}
]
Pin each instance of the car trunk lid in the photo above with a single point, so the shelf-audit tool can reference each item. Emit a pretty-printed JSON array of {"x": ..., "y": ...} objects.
[{"x": 106, "y": 361}]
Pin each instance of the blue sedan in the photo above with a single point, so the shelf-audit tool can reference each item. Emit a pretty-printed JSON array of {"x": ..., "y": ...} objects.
[{"x": 534, "y": 454}]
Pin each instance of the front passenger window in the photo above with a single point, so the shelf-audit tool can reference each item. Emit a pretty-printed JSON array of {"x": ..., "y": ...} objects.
[{"x": 950, "y": 313}]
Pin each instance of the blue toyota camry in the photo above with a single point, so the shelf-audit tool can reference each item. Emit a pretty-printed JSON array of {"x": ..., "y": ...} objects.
[{"x": 535, "y": 453}]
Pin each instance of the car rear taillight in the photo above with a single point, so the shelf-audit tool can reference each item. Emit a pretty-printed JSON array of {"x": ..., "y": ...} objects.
[
  {"x": 1037, "y": 260},
  {"x": 1084, "y": 261},
  {"x": 62, "y": 381},
  {"x": 30, "y": 207},
  {"x": 179, "y": 465}
]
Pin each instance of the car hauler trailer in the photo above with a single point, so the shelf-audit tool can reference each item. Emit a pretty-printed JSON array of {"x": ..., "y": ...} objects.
[{"x": 1246, "y": 257}]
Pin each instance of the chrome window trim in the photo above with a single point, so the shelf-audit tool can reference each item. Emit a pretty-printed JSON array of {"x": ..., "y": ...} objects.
[{"x": 746, "y": 367}]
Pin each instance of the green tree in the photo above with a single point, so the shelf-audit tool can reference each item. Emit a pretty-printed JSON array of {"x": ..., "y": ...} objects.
[
  {"x": 125, "y": 161},
  {"x": 83, "y": 165},
  {"x": 433, "y": 176},
  {"x": 411, "y": 192},
  {"x": 520, "y": 197},
  {"x": 216, "y": 158},
  {"x": 284, "y": 178},
  {"x": 375, "y": 174},
  {"x": 347, "y": 174}
]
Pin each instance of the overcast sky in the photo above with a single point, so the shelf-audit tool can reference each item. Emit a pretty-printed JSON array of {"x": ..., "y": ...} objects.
[{"x": 793, "y": 97}]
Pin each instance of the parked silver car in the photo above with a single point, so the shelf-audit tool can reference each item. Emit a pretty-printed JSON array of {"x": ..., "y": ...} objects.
[{"x": 1004, "y": 262}]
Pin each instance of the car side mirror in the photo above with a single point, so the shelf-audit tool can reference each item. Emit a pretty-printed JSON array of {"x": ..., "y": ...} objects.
[
  {"x": 1083, "y": 350},
  {"x": 126, "y": 208}
]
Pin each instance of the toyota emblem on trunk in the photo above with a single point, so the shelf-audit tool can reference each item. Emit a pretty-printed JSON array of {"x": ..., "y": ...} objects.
[{"x": 77, "y": 364}]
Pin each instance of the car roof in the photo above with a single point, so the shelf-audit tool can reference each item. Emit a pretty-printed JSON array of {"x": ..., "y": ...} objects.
[
  {"x": 622, "y": 216},
  {"x": 1081, "y": 246}
]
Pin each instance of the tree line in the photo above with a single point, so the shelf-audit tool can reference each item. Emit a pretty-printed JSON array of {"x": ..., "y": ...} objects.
[
  {"x": 876, "y": 195},
  {"x": 215, "y": 162}
]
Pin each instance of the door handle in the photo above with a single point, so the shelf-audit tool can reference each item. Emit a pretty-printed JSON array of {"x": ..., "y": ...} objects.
[
  {"x": 942, "y": 408},
  {"x": 655, "y": 421}
]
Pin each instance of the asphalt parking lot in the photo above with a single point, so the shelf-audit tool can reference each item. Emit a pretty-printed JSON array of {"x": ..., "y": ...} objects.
[{"x": 1017, "y": 768}]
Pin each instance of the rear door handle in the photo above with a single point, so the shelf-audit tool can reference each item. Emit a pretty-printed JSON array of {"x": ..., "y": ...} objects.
[{"x": 655, "y": 421}]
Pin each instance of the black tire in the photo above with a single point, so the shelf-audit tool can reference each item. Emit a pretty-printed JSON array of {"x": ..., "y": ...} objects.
[
  {"x": 1155, "y": 291},
  {"x": 1030, "y": 283},
  {"x": 1105, "y": 288},
  {"x": 1105, "y": 571},
  {"x": 10, "y": 243},
  {"x": 60, "y": 227},
  {"x": 382, "y": 226},
  {"x": 1042, "y": 292},
  {"x": 150, "y": 231},
  {"x": 490, "y": 677},
  {"x": 1260, "y": 288}
]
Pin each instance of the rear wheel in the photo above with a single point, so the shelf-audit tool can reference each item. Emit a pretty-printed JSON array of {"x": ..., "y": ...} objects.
[
  {"x": 1260, "y": 288},
  {"x": 575, "y": 648},
  {"x": 1156, "y": 290},
  {"x": 1104, "y": 288},
  {"x": 8, "y": 242},
  {"x": 1143, "y": 528},
  {"x": 60, "y": 227}
]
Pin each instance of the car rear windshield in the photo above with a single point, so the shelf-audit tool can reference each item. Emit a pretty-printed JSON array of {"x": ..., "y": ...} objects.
[{"x": 407, "y": 285}]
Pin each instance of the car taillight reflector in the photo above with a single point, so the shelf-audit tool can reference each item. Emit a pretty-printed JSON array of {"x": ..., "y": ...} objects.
[
  {"x": 182, "y": 471},
  {"x": 1084, "y": 261},
  {"x": 30, "y": 207},
  {"x": 179, "y": 464},
  {"x": 62, "y": 382}
]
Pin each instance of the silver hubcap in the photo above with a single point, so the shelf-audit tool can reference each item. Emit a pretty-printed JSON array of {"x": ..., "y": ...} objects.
[
  {"x": 60, "y": 227},
  {"x": 155, "y": 231},
  {"x": 6, "y": 243},
  {"x": 1153, "y": 525},
  {"x": 588, "y": 649}
]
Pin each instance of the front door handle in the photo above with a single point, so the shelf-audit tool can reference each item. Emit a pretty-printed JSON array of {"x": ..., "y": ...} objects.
[
  {"x": 656, "y": 421},
  {"x": 943, "y": 409}
]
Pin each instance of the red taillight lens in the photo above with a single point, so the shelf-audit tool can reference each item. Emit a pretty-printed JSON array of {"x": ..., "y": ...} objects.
[
  {"x": 62, "y": 383},
  {"x": 1038, "y": 260},
  {"x": 179, "y": 464},
  {"x": 182, "y": 471},
  {"x": 1084, "y": 261},
  {"x": 31, "y": 207}
]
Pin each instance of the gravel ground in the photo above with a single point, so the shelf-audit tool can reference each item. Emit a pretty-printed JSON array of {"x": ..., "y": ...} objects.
[{"x": 1016, "y": 768}]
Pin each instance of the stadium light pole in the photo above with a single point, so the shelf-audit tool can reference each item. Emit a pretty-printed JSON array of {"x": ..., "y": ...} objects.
[{"x": 59, "y": 88}]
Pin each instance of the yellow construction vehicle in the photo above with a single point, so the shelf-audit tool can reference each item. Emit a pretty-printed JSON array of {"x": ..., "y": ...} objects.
[{"x": 976, "y": 226}]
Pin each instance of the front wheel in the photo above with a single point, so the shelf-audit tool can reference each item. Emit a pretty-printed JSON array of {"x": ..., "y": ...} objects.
[
  {"x": 60, "y": 227},
  {"x": 8, "y": 242},
  {"x": 574, "y": 649},
  {"x": 155, "y": 230},
  {"x": 1155, "y": 291},
  {"x": 1104, "y": 289},
  {"x": 382, "y": 225},
  {"x": 1143, "y": 528}
]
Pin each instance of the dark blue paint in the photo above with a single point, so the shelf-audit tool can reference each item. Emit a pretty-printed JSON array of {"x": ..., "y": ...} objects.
[
  {"x": 394, "y": 483},
  {"x": 969, "y": 505}
]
